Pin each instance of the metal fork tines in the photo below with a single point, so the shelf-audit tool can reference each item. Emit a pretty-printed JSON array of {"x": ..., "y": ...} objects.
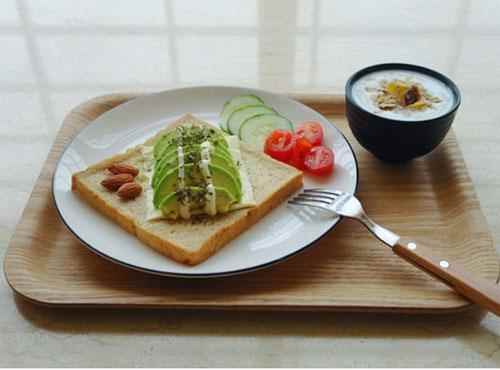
[
  {"x": 343, "y": 204},
  {"x": 317, "y": 198}
]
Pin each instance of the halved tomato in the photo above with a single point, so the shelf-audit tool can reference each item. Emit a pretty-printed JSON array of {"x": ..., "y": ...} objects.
[
  {"x": 319, "y": 161},
  {"x": 311, "y": 131},
  {"x": 300, "y": 149},
  {"x": 279, "y": 145}
]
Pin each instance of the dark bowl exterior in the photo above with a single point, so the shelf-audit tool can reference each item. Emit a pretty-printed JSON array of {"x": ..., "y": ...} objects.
[
  {"x": 392, "y": 140},
  {"x": 396, "y": 142}
]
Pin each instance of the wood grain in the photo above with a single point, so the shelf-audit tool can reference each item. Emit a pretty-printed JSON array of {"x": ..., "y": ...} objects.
[
  {"x": 480, "y": 291},
  {"x": 429, "y": 199}
]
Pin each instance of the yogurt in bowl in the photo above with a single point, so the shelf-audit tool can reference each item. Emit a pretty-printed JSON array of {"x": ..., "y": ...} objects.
[
  {"x": 400, "y": 111},
  {"x": 403, "y": 95}
]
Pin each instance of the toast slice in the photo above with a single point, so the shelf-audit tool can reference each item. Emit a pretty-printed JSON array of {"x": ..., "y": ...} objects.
[{"x": 188, "y": 242}]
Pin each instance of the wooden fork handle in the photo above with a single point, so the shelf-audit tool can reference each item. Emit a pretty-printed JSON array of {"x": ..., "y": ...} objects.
[{"x": 482, "y": 292}]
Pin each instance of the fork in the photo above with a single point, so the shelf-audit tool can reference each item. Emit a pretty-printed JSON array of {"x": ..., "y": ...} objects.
[{"x": 477, "y": 290}]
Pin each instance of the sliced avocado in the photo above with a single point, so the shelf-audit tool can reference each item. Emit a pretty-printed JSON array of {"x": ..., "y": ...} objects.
[
  {"x": 167, "y": 163},
  {"x": 217, "y": 158},
  {"x": 172, "y": 151},
  {"x": 227, "y": 164},
  {"x": 168, "y": 183},
  {"x": 223, "y": 179},
  {"x": 164, "y": 142},
  {"x": 223, "y": 200},
  {"x": 194, "y": 135},
  {"x": 223, "y": 170},
  {"x": 170, "y": 161},
  {"x": 165, "y": 186},
  {"x": 169, "y": 206}
]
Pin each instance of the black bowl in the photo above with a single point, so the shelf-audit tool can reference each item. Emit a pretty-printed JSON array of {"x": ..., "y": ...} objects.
[{"x": 394, "y": 140}]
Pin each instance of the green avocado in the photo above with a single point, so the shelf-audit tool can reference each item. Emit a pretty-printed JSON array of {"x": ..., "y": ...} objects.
[
  {"x": 163, "y": 162},
  {"x": 224, "y": 200},
  {"x": 168, "y": 183},
  {"x": 221, "y": 178},
  {"x": 217, "y": 158},
  {"x": 188, "y": 136},
  {"x": 170, "y": 204},
  {"x": 223, "y": 170},
  {"x": 164, "y": 142}
]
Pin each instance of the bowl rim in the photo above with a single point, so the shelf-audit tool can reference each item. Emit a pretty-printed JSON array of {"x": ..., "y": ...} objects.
[{"x": 407, "y": 67}]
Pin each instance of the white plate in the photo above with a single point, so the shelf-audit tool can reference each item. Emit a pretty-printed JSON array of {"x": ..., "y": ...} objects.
[{"x": 282, "y": 233}]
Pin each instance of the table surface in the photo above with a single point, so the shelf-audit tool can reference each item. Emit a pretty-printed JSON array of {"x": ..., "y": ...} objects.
[{"x": 57, "y": 53}]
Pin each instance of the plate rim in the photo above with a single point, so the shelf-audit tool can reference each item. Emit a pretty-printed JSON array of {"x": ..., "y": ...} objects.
[{"x": 181, "y": 274}]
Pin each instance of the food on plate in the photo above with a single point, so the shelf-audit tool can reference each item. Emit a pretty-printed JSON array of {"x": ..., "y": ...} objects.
[
  {"x": 234, "y": 104},
  {"x": 130, "y": 190},
  {"x": 187, "y": 191},
  {"x": 302, "y": 149},
  {"x": 319, "y": 161},
  {"x": 301, "y": 146},
  {"x": 279, "y": 145},
  {"x": 311, "y": 131},
  {"x": 248, "y": 117},
  {"x": 114, "y": 182},
  {"x": 264, "y": 129},
  {"x": 196, "y": 169},
  {"x": 119, "y": 168},
  {"x": 403, "y": 95}
]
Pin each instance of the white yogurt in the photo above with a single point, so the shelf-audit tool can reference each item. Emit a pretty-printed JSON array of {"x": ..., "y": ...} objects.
[{"x": 365, "y": 88}]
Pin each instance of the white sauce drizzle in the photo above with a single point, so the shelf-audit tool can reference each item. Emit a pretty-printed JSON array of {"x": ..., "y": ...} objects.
[
  {"x": 210, "y": 205},
  {"x": 184, "y": 204}
]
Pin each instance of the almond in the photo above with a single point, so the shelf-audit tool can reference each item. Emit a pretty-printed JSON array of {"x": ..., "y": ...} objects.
[
  {"x": 129, "y": 191},
  {"x": 115, "y": 181},
  {"x": 118, "y": 168}
]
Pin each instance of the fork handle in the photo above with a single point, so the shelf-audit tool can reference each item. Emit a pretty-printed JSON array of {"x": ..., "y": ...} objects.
[{"x": 480, "y": 291}]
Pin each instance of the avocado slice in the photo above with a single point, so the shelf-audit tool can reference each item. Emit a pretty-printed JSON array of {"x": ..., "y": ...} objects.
[
  {"x": 165, "y": 186},
  {"x": 172, "y": 152},
  {"x": 168, "y": 183},
  {"x": 190, "y": 136},
  {"x": 172, "y": 149},
  {"x": 223, "y": 170},
  {"x": 170, "y": 204},
  {"x": 221, "y": 178},
  {"x": 164, "y": 142},
  {"x": 223, "y": 200},
  {"x": 220, "y": 157},
  {"x": 217, "y": 159}
]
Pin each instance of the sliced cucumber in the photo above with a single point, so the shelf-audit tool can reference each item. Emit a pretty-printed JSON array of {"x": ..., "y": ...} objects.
[
  {"x": 256, "y": 129},
  {"x": 242, "y": 114},
  {"x": 237, "y": 102}
]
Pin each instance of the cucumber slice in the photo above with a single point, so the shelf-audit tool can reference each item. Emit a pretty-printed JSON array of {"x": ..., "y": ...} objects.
[
  {"x": 256, "y": 129},
  {"x": 242, "y": 114},
  {"x": 231, "y": 105}
]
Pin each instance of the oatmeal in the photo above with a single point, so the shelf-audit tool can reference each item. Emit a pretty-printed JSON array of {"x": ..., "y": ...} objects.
[{"x": 403, "y": 95}]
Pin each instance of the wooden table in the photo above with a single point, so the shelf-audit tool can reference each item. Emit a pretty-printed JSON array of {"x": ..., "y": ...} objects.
[{"x": 60, "y": 54}]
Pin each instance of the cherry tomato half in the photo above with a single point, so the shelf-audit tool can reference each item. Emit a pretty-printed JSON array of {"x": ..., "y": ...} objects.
[
  {"x": 279, "y": 145},
  {"x": 319, "y": 161},
  {"x": 311, "y": 131},
  {"x": 300, "y": 149}
]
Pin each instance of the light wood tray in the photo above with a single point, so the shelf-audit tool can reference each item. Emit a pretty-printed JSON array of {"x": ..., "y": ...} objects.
[{"x": 431, "y": 199}]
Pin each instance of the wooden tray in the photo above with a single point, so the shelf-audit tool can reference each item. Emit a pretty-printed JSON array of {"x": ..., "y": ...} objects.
[{"x": 347, "y": 270}]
